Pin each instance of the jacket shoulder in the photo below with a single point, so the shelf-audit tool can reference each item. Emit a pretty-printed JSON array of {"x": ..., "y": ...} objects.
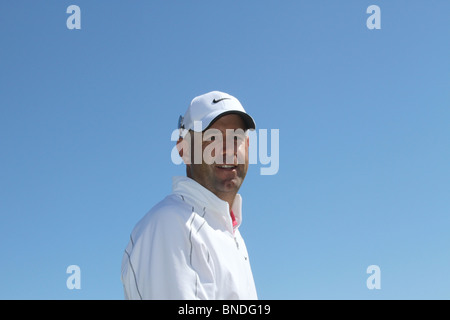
[{"x": 169, "y": 214}]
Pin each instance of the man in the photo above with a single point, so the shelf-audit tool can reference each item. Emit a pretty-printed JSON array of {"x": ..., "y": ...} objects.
[{"x": 188, "y": 246}]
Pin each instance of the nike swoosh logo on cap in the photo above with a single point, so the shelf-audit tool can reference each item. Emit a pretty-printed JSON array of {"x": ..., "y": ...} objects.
[{"x": 216, "y": 101}]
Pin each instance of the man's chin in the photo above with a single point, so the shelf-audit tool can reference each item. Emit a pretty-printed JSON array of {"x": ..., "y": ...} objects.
[{"x": 229, "y": 185}]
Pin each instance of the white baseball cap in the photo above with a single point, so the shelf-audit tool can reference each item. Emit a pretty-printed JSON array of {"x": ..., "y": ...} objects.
[{"x": 209, "y": 107}]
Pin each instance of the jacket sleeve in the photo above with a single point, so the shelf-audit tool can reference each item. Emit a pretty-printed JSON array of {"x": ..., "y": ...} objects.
[{"x": 165, "y": 259}]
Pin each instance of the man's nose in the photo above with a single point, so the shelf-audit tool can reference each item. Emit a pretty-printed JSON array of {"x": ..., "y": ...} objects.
[{"x": 229, "y": 150}]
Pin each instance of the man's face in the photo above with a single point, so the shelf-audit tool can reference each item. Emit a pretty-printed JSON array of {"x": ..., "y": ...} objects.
[{"x": 224, "y": 161}]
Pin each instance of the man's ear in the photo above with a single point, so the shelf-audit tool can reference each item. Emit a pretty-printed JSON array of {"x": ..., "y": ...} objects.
[{"x": 184, "y": 147}]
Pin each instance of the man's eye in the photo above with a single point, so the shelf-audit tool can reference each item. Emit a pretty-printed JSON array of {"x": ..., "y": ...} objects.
[{"x": 209, "y": 139}]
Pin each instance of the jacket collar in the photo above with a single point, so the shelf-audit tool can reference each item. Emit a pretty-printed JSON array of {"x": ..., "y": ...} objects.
[{"x": 199, "y": 196}]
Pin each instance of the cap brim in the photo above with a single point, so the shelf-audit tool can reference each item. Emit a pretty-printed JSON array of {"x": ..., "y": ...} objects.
[{"x": 248, "y": 120}]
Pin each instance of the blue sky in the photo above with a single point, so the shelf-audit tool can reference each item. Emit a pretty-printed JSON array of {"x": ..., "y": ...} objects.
[{"x": 363, "y": 118}]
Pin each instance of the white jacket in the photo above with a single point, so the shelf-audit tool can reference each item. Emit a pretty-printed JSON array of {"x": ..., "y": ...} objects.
[{"x": 185, "y": 248}]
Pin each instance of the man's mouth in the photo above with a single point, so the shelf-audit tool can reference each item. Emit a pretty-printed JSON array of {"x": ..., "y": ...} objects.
[{"x": 226, "y": 166}]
